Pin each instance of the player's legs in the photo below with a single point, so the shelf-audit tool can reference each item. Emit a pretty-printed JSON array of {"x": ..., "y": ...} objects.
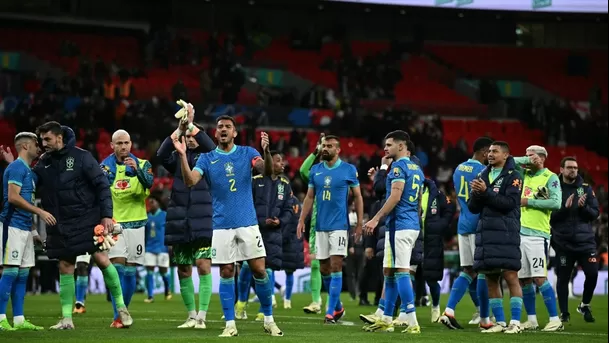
[
  {"x": 516, "y": 301},
  {"x": 315, "y": 306},
  {"x": 202, "y": 257},
  {"x": 150, "y": 262},
  {"x": 404, "y": 243},
  {"x": 434, "y": 292},
  {"x": 589, "y": 265},
  {"x": 112, "y": 280},
  {"x": 467, "y": 245},
  {"x": 136, "y": 240},
  {"x": 118, "y": 257},
  {"x": 289, "y": 287},
  {"x": 564, "y": 268},
  {"x": 163, "y": 264},
  {"x": 331, "y": 251},
  {"x": 183, "y": 257},
  {"x": 496, "y": 301},
  {"x": 224, "y": 254},
  {"x": 82, "y": 282}
]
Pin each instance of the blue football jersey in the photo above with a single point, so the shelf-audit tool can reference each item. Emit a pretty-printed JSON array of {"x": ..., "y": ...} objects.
[
  {"x": 155, "y": 232},
  {"x": 18, "y": 173},
  {"x": 465, "y": 173},
  {"x": 229, "y": 176},
  {"x": 331, "y": 186},
  {"x": 405, "y": 215}
]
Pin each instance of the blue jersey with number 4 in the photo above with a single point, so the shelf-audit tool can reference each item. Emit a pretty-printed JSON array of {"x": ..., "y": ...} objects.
[
  {"x": 465, "y": 173},
  {"x": 155, "y": 232},
  {"x": 229, "y": 176},
  {"x": 18, "y": 173},
  {"x": 331, "y": 186},
  {"x": 405, "y": 215}
]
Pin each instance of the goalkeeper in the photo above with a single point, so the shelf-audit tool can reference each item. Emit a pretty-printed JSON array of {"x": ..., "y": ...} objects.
[
  {"x": 541, "y": 194},
  {"x": 76, "y": 192},
  {"x": 315, "y": 306}
]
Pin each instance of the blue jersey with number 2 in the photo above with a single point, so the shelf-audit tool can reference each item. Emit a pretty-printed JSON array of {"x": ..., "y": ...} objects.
[
  {"x": 465, "y": 173},
  {"x": 229, "y": 176},
  {"x": 405, "y": 215},
  {"x": 331, "y": 186}
]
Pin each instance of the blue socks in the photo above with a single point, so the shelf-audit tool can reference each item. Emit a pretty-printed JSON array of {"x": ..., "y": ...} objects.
[
  {"x": 516, "y": 307},
  {"x": 130, "y": 284},
  {"x": 473, "y": 293},
  {"x": 9, "y": 276},
  {"x": 460, "y": 286},
  {"x": 82, "y": 283},
  {"x": 391, "y": 295},
  {"x": 382, "y": 303},
  {"x": 264, "y": 291},
  {"x": 120, "y": 269},
  {"x": 149, "y": 283},
  {"x": 528, "y": 297},
  {"x": 18, "y": 291},
  {"x": 496, "y": 305},
  {"x": 289, "y": 285},
  {"x": 404, "y": 288},
  {"x": 227, "y": 298},
  {"x": 166, "y": 283},
  {"x": 336, "y": 286},
  {"x": 434, "y": 291},
  {"x": 245, "y": 280},
  {"x": 482, "y": 290},
  {"x": 549, "y": 298}
]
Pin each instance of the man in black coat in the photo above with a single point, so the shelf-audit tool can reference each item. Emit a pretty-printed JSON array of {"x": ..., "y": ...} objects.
[
  {"x": 76, "y": 192},
  {"x": 274, "y": 210},
  {"x": 573, "y": 238},
  {"x": 188, "y": 229},
  {"x": 293, "y": 251},
  {"x": 496, "y": 197},
  {"x": 438, "y": 212}
]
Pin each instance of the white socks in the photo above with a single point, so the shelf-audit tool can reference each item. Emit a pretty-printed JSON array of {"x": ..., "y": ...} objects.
[
  {"x": 268, "y": 319},
  {"x": 202, "y": 315},
  {"x": 192, "y": 314},
  {"x": 532, "y": 318},
  {"x": 379, "y": 312},
  {"x": 18, "y": 320},
  {"x": 230, "y": 324}
]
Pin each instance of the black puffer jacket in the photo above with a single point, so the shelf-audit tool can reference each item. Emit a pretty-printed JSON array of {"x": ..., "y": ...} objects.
[
  {"x": 293, "y": 248},
  {"x": 438, "y": 216},
  {"x": 189, "y": 214},
  {"x": 75, "y": 190},
  {"x": 572, "y": 227},
  {"x": 272, "y": 200},
  {"x": 498, "y": 231}
]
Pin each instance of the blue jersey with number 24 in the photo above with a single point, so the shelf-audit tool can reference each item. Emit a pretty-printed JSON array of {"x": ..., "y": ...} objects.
[
  {"x": 331, "y": 186},
  {"x": 229, "y": 176},
  {"x": 465, "y": 173},
  {"x": 405, "y": 215}
]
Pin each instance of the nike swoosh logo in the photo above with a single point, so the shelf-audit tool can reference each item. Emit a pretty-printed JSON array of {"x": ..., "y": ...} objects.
[
  {"x": 260, "y": 185},
  {"x": 317, "y": 174},
  {"x": 214, "y": 162},
  {"x": 46, "y": 167}
]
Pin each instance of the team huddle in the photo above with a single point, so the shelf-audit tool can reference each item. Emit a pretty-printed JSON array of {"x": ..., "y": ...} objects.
[{"x": 504, "y": 226}]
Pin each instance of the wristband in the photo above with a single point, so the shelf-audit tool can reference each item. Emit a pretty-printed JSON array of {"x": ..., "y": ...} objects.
[{"x": 384, "y": 167}]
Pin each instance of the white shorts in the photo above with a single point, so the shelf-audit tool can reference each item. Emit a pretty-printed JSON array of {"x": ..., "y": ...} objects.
[
  {"x": 534, "y": 257},
  {"x": 130, "y": 245},
  {"x": 86, "y": 258},
  {"x": 156, "y": 260},
  {"x": 467, "y": 246},
  {"x": 331, "y": 243},
  {"x": 399, "y": 250},
  {"x": 19, "y": 249},
  {"x": 414, "y": 268},
  {"x": 233, "y": 245}
]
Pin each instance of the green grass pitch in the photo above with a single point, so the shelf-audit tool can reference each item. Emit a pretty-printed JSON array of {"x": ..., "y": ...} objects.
[{"x": 157, "y": 322}]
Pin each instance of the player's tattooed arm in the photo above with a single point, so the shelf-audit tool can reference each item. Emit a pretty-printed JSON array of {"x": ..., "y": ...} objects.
[{"x": 397, "y": 188}]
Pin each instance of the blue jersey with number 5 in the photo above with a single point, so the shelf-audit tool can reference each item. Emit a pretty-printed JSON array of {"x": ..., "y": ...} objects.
[
  {"x": 405, "y": 215},
  {"x": 331, "y": 186},
  {"x": 229, "y": 176},
  {"x": 465, "y": 173}
]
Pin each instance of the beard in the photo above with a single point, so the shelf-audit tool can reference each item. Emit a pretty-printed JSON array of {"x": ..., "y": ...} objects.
[{"x": 326, "y": 157}]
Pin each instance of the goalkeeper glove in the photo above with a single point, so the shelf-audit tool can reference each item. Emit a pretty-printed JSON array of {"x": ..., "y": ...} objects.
[
  {"x": 182, "y": 115},
  {"x": 542, "y": 193}
]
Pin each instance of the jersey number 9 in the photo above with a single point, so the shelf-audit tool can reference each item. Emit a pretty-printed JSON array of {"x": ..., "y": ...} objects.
[
  {"x": 232, "y": 185},
  {"x": 326, "y": 195},
  {"x": 415, "y": 187},
  {"x": 463, "y": 189}
]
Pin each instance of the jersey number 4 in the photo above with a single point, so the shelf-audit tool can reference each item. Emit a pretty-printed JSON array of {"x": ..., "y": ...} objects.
[
  {"x": 463, "y": 189},
  {"x": 232, "y": 185}
]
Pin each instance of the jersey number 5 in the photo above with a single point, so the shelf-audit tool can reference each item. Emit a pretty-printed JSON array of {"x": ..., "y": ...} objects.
[
  {"x": 232, "y": 185},
  {"x": 415, "y": 187},
  {"x": 463, "y": 189}
]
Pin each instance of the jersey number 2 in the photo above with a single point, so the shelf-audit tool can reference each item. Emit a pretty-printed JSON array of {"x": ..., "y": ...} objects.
[
  {"x": 415, "y": 187},
  {"x": 463, "y": 189},
  {"x": 232, "y": 185}
]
